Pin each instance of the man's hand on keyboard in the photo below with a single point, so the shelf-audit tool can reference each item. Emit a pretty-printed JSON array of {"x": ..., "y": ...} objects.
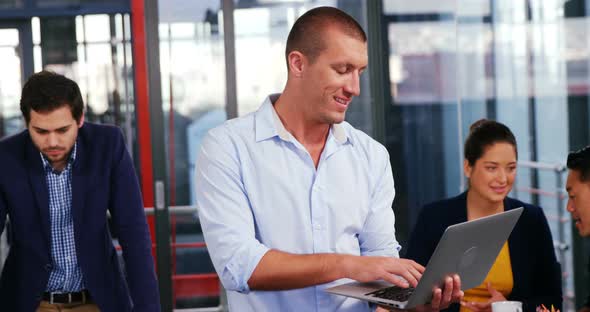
[
  {"x": 400, "y": 272},
  {"x": 441, "y": 298}
]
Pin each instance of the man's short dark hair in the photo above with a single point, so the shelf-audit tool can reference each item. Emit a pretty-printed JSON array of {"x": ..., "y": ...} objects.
[
  {"x": 580, "y": 161},
  {"x": 47, "y": 91},
  {"x": 306, "y": 35}
]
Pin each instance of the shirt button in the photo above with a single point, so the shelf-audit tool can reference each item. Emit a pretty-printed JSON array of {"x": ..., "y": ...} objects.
[
  {"x": 317, "y": 226},
  {"x": 48, "y": 267}
]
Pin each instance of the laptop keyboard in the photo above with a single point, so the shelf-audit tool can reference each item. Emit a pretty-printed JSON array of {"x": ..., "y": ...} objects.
[{"x": 393, "y": 293}]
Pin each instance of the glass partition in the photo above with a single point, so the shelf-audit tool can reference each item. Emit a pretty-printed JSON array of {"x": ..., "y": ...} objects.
[
  {"x": 10, "y": 4},
  {"x": 422, "y": 128},
  {"x": 95, "y": 51},
  {"x": 10, "y": 82},
  {"x": 192, "y": 58},
  {"x": 261, "y": 30},
  {"x": 523, "y": 63},
  {"x": 192, "y": 62},
  {"x": 10, "y": 85}
]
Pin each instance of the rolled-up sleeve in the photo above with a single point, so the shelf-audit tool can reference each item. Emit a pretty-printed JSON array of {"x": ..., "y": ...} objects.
[
  {"x": 225, "y": 213},
  {"x": 378, "y": 235}
]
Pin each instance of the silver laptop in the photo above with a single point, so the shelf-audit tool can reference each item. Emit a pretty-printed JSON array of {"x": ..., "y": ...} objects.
[{"x": 468, "y": 249}]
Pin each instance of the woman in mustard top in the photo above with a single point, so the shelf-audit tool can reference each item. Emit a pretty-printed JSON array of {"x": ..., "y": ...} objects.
[{"x": 526, "y": 268}]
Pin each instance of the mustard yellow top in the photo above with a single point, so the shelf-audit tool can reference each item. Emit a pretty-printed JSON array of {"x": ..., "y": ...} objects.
[{"x": 500, "y": 276}]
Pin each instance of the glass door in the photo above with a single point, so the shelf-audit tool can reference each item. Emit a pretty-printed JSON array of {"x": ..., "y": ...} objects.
[
  {"x": 14, "y": 65},
  {"x": 193, "y": 101},
  {"x": 10, "y": 83}
]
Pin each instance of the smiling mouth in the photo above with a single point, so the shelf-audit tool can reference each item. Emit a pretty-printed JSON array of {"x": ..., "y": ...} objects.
[{"x": 341, "y": 100}]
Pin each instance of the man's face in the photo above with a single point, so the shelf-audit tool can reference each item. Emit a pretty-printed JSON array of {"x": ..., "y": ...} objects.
[
  {"x": 578, "y": 203},
  {"x": 54, "y": 134},
  {"x": 332, "y": 80}
]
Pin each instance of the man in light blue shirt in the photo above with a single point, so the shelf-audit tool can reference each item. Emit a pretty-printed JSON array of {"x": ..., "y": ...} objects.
[{"x": 292, "y": 199}]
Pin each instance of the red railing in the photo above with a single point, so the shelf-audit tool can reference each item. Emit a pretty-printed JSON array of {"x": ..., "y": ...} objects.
[{"x": 189, "y": 285}]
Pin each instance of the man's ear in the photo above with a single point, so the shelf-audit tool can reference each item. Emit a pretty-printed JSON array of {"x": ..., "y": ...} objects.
[
  {"x": 81, "y": 122},
  {"x": 297, "y": 63}
]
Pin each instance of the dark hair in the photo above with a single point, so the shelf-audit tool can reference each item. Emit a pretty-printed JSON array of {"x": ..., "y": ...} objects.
[
  {"x": 484, "y": 133},
  {"x": 306, "y": 35},
  {"x": 580, "y": 161},
  {"x": 47, "y": 91}
]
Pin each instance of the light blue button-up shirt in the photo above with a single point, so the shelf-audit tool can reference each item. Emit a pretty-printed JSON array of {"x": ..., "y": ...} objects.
[{"x": 258, "y": 189}]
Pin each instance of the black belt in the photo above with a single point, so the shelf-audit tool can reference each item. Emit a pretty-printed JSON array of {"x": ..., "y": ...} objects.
[{"x": 73, "y": 297}]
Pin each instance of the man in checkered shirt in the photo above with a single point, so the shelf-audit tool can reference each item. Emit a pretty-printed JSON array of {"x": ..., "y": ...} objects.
[{"x": 59, "y": 177}]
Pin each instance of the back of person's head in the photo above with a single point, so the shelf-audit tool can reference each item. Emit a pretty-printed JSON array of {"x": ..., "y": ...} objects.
[
  {"x": 580, "y": 161},
  {"x": 483, "y": 134},
  {"x": 306, "y": 35},
  {"x": 47, "y": 91}
]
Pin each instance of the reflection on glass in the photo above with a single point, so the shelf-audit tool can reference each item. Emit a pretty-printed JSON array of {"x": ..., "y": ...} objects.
[
  {"x": 418, "y": 7},
  {"x": 523, "y": 63},
  {"x": 192, "y": 64},
  {"x": 193, "y": 84},
  {"x": 119, "y": 27},
  {"x": 80, "y": 29},
  {"x": 421, "y": 54},
  {"x": 54, "y": 3},
  {"x": 260, "y": 37},
  {"x": 8, "y": 37},
  {"x": 10, "y": 83},
  {"x": 260, "y": 53},
  {"x": 97, "y": 28},
  {"x": 11, "y": 4},
  {"x": 36, "y": 29},
  {"x": 261, "y": 31},
  {"x": 37, "y": 58},
  {"x": 422, "y": 123},
  {"x": 531, "y": 89},
  {"x": 65, "y": 3},
  {"x": 99, "y": 62}
]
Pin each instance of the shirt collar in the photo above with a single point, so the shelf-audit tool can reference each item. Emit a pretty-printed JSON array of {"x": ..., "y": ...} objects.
[
  {"x": 71, "y": 158},
  {"x": 268, "y": 124}
]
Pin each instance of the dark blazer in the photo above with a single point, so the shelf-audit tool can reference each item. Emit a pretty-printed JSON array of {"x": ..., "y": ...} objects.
[
  {"x": 536, "y": 272},
  {"x": 103, "y": 179}
]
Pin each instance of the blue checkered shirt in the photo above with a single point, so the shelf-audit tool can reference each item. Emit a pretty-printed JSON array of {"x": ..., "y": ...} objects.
[{"x": 66, "y": 275}]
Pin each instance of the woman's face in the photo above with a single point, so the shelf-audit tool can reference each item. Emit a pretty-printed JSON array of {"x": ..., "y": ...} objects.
[{"x": 492, "y": 175}]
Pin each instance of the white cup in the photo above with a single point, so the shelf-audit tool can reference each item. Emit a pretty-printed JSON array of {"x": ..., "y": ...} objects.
[{"x": 507, "y": 306}]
